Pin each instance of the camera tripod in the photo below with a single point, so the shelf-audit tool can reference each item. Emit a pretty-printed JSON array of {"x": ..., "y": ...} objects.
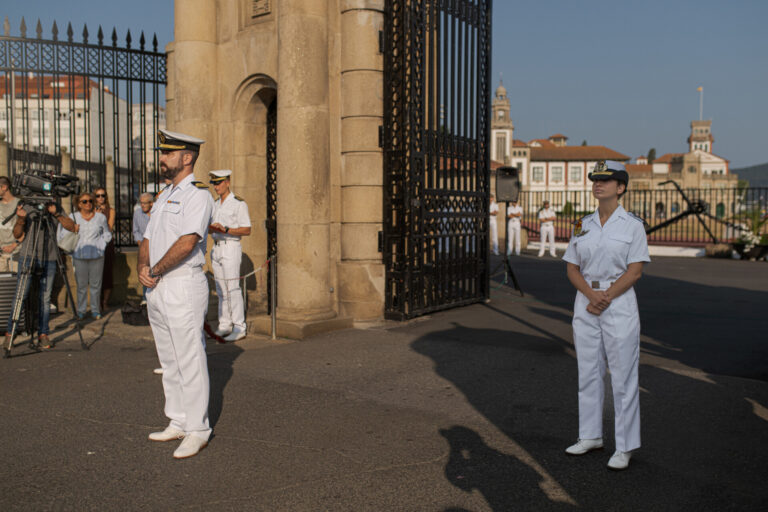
[{"x": 41, "y": 230}]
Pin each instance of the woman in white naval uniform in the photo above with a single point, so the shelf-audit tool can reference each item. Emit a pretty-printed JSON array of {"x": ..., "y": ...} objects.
[
  {"x": 230, "y": 222},
  {"x": 605, "y": 259}
]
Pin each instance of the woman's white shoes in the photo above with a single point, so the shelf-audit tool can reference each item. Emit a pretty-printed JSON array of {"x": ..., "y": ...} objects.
[
  {"x": 619, "y": 461},
  {"x": 584, "y": 445}
]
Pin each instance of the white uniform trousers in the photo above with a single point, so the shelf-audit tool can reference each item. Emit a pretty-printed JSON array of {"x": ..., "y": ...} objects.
[
  {"x": 547, "y": 234},
  {"x": 225, "y": 259},
  {"x": 176, "y": 308},
  {"x": 615, "y": 335},
  {"x": 513, "y": 236},
  {"x": 494, "y": 228}
]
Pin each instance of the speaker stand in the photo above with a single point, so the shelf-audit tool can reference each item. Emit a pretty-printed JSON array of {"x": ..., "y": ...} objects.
[{"x": 506, "y": 265}]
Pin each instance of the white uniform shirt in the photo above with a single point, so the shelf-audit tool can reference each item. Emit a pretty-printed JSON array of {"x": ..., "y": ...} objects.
[
  {"x": 514, "y": 209},
  {"x": 181, "y": 210},
  {"x": 494, "y": 209},
  {"x": 231, "y": 213},
  {"x": 604, "y": 252},
  {"x": 545, "y": 214}
]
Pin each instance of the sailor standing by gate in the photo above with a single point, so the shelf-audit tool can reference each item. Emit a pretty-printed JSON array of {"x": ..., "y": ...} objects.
[
  {"x": 605, "y": 259},
  {"x": 171, "y": 259},
  {"x": 230, "y": 222}
]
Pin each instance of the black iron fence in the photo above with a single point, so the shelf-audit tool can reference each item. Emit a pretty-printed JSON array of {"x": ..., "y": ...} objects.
[
  {"x": 91, "y": 103},
  {"x": 689, "y": 217}
]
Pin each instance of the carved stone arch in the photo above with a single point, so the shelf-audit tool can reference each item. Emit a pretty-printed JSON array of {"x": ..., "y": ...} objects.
[{"x": 249, "y": 107}]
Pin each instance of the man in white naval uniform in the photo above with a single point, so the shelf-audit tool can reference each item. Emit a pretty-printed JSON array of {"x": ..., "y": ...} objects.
[
  {"x": 493, "y": 226},
  {"x": 171, "y": 259},
  {"x": 514, "y": 214},
  {"x": 230, "y": 222},
  {"x": 547, "y": 218}
]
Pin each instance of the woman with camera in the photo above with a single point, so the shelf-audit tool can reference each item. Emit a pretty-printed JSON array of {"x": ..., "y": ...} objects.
[{"x": 88, "y": 256}]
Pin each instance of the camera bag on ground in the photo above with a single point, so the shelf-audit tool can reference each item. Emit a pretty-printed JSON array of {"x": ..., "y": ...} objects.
[{"x": 134, "y": 313}]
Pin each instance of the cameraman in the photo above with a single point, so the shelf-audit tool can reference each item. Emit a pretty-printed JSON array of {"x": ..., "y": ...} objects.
[{"x": 42, "y": 261}]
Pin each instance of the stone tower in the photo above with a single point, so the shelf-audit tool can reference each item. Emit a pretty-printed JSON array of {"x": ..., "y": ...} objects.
[
  {"x": 502, "y": 128},
  {"x": 701, "y": 136}
]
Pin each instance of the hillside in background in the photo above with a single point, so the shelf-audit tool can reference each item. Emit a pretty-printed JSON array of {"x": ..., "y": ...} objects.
[{"x": 756, "y": 175}]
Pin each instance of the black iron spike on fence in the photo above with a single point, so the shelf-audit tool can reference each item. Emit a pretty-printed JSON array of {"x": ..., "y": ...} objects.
[
  {"x": 23, "y": 27},
  {"x": 85, "y": 34},
  {"x": 141, "y": 41},
  {"x": 70, "y": 32},
  {"x": 128, "y": 39},
  {"x": 55, "y": 31},
  {"x": 6, "y": 27},
  {"x": 114, "y": 37},
  {"x": 154, "y": 43},
  {"x": 39, "y": 29},
  {"x": 100, "y": 35}
]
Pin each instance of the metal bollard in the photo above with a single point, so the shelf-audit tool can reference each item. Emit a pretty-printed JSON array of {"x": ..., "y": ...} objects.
[{"x": 273, "y": 293}]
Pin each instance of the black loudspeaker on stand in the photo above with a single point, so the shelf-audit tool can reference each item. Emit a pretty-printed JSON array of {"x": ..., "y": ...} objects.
[{"x": 507, "y": 191}]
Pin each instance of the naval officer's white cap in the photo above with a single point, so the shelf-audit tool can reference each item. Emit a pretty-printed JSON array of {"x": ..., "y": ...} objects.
[
  {"x": 173, "y": 141},
  {"x": 220, "y": 175}
]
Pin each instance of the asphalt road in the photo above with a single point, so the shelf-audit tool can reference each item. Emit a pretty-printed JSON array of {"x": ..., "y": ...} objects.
[{"x": 467, "y": 410}]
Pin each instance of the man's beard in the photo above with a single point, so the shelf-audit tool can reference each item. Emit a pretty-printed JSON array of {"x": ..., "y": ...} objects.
[{"x": 170, "y": 173}]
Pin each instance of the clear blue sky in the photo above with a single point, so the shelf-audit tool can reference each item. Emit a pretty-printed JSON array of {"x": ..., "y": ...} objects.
[{"x": 620, "y": 74}]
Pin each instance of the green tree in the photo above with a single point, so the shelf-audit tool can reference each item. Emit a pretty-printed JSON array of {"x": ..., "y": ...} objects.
[
  {"x": 584, "y": 142},
  {"x": 651, "y": 155}
]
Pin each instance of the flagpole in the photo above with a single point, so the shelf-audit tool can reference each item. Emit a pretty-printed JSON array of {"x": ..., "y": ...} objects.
[{"x": 701, "y": 103}]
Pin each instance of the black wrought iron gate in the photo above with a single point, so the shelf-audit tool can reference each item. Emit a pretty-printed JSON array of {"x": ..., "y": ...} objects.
[
  {"x": 437, "y": 57},
  {"x": 271, "y": 217},
  {"x": 100, "y": 101}
]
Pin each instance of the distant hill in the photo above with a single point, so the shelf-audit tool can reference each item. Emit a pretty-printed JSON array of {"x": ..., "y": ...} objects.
[{"x": 756, "y": 175}]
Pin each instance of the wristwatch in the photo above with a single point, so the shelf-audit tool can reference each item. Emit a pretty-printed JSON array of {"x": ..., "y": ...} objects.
[{"x": 152, "y": 273}]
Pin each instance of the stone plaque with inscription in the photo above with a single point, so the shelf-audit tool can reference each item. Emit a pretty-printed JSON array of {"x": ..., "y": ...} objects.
[{"x": 260, "y": 8}]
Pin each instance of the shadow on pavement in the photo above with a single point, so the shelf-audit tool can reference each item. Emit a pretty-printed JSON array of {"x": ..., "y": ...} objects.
[{"x": 221, "y": 360}]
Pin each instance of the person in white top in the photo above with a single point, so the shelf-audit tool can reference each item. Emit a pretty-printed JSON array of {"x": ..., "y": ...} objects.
[
  {"x": 514, "y": 214},
  {"x": 605, "y": 258},
  {"x": 230, "y": 222},
  {"x": 171, "y": 259},
  {"x": 547, "y": 218},
  {"x": 493, "y": 210}
]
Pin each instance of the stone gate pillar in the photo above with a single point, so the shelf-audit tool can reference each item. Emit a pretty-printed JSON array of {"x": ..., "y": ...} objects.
[
  {"x": 303, "y": 160},
  {"x": 193, "y": 79},
  {"x": 361, "y": 272}
]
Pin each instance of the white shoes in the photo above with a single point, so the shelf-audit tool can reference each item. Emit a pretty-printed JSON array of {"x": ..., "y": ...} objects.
[
  {"x": 157, "y": 371},
  {"x": 236, "y": 334},
  {"x": 222, "y": 332},
  {"x": 189, "y": 447},
  {"x": 585, "y": 445},
  {"x": 619, "y": 461},
  {"x": 169, "y": 434}
]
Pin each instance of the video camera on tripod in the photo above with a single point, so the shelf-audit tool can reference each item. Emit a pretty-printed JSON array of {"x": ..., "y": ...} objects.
[
  {"x": 38, "y": 187},
  {"x": 37, "y": 190}
]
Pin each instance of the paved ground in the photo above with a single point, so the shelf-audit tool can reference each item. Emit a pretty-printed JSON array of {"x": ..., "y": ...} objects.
[{"x": 469, "y": 409}]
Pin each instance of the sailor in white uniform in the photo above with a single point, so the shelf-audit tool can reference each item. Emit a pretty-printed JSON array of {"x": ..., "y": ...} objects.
[
  {"x": 493, "y": 210},
  {"x": 605, "y": 259},
  {"x": 171, "y": 259},
  {"x": 547, "y": 218},
  {"x": 230, "y": 222},
  {"x": 514, "y": 214}
]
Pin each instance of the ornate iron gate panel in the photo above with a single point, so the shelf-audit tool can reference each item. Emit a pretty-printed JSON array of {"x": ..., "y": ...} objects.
[
  {"x": 271, "y": 192},
  {"x": 102, "y": 103},
  {"x": 436, "y": 154}
]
